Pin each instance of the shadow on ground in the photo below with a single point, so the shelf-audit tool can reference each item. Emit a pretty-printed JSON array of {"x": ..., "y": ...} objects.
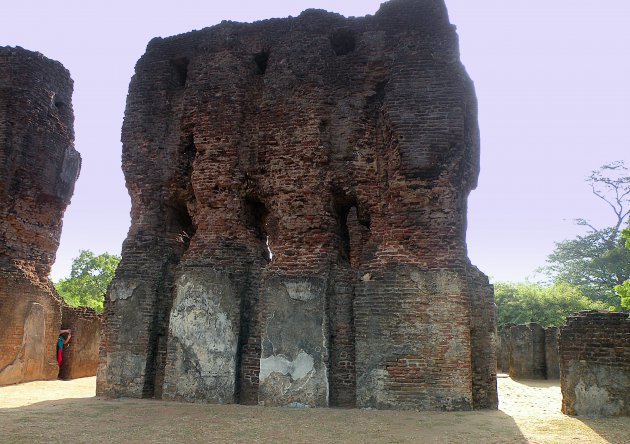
[
  {"x": 97, "y": 420},
  {"x": 529, "y": 413}
]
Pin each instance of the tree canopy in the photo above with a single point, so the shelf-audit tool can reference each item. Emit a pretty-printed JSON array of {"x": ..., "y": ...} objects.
[
  {"x": 89, "y": 278},
  {"x": 623, "y": 290},
  {"x": 520, "y": 303},
  {"x": 597, "y": 262}
]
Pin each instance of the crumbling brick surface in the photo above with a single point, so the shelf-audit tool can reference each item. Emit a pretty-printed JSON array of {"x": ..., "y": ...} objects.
[
  {"x": 38, "y": 169},
  {"x": 552, "y": 362},
  {"x": 595, "y": 364},
  {"x": 299, "y": 193},
  {"x": 80, "y": 355},
  {"x": 527, "y": 352}
]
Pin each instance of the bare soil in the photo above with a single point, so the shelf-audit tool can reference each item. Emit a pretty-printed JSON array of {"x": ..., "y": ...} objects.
[{"x": 68, "y": 412}]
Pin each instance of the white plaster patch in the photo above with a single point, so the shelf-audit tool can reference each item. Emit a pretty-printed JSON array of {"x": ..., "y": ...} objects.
[
  {"x": 301, "y": 290},
  {"x": 200, "y": 324},
  {"x": 121, "y": 290},
  {"x": 593, "y": 401},
  {"x": 299, "y": 368},
  {"x": 455, "y": 349}
]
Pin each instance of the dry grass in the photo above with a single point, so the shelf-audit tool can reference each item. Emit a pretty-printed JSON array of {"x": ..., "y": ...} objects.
[{"x": 68, "y": 412}]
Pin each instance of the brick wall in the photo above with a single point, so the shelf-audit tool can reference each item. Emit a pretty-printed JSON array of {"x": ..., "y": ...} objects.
[
  {"x": 348, "y": 148},
  {"x": 38, "y": 169},
  {"x": 80, "y": 355},
  {"x": 595, "y": 364}
]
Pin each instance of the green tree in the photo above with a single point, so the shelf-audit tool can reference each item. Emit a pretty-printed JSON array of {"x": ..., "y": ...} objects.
[
  {"x": 623, "y": 290},
  {"x": 597, "y": 262},
  {"x": 520, "y": 303},
  {"x": 88, "y": 281}
]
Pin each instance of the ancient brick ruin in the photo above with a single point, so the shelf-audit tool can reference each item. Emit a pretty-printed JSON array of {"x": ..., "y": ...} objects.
[
  {"x": 80, "y": 356},
  {"x": 299, "y": 192},
  {"x": 38, "y": 169},
  {"x": 595, "y": 364},
  {"x": 528, "y": 351}
]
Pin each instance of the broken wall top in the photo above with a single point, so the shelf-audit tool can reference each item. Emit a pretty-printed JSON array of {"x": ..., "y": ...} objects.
[
  {"x": 307, "y": 117},
  {"x": 38, "y": 162}
]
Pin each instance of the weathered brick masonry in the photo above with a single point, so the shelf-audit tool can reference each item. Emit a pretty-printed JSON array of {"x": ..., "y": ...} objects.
[
  {"x": 38, "y": 169},
  {"x": 299, "y": 193},
  {"x": 80, "y": 356},
  {"x": 595, "y": 364},
  {"x": 528, "y": 351}
]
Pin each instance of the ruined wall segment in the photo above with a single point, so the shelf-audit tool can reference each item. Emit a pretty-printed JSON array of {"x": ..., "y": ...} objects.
[
  {"x": 299, "y": 193},
  {"x": 527, "y": 352},
  {"x": 80, "y": 356},
  {"x": 595, "y": 364},
  {"x": 552, "y": 363},
  {"x": 38, "y": 169}
]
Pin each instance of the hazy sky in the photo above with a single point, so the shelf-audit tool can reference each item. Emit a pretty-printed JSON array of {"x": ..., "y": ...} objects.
[{"x": 551, "y": 79}]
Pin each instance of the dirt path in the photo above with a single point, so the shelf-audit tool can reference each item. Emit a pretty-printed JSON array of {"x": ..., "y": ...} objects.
[{"x": 68, "y": 412}]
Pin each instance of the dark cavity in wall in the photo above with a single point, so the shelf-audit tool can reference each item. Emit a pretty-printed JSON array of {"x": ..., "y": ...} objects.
[
  {"x": 340, "y": 301},
  {"x": 343, "y": 41},
  {"x": 180, "y": 70},
  {"x": 261, "y": 60},
  {"x": 256, "y": 221},
  {"x": 255, "y": 217},
  {"x": 179, "y": 229}
]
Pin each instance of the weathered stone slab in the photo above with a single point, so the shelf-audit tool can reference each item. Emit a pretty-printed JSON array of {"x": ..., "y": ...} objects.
[
  {"x": 294, "y": 342},
  {"x": 203, "y": 339},
  {"x": 527, "y": 351}
]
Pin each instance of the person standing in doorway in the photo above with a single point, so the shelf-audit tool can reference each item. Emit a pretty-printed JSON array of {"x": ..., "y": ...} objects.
[{"x": 61, "y": 341}]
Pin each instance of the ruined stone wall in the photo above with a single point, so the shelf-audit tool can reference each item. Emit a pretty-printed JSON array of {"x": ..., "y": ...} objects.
[
  {"x": 80, "y": 356},
  {"x": 503, "y": 348},
  {"x": 595, "y": 364},
  {"x": 527, "y": 352},
  {"x": 38, "y": 169},
  {"x": 552, "y": 363},
  {"x": 299, "y": 193}
]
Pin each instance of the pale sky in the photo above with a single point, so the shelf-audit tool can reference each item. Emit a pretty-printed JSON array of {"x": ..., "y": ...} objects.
[{"x": 551, "y": 79}]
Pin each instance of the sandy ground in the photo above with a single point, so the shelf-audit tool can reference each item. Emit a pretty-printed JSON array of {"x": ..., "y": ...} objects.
[{"x": 68, "y": 412}]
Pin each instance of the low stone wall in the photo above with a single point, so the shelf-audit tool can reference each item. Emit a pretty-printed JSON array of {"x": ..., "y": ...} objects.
[
  {"x": 551, "y": 353},
  {"x": 80, "y": 356},
  {"x": 595, "y": 364},
  {"x": 527, "y": 355},
  {"x": 503, "y": 348},
  {"x": 528, "y": 351}
]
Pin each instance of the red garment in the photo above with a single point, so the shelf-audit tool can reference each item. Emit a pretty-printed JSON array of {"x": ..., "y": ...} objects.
[{"x": 59, "y": 357}]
